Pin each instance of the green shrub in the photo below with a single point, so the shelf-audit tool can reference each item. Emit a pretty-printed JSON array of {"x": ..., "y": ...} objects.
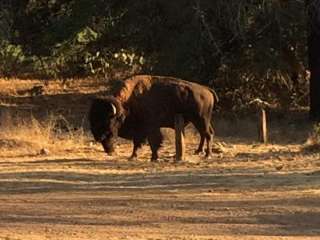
[{"x": 12, "y": 59}]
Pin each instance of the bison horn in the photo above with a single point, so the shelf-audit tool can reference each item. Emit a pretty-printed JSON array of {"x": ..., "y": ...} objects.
[{"x": 114, "y": 109}]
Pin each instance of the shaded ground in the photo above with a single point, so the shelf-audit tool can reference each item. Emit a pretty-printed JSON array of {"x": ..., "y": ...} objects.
[
  {"x": 82, "y": 195},
  {"x": 245, "y": 191}
]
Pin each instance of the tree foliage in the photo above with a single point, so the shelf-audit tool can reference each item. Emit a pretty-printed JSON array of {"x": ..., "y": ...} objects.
[{"x": 244, "y": 48}]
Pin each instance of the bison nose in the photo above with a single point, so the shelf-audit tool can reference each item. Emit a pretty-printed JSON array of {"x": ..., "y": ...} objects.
[{"x": 108, "y": 146}]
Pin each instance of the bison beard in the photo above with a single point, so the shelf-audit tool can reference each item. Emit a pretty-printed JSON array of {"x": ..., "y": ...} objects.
[{"x": 142, "y": 104}]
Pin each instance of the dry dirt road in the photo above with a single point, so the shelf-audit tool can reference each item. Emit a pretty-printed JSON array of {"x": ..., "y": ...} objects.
[{"x": 247, "y": 192}]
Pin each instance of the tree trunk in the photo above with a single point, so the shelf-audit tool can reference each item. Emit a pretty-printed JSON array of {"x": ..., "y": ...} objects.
[{"x": 313, "y": 8}]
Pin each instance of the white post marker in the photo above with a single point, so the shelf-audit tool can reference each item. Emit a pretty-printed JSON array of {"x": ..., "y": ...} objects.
[{"x": 179, "y": 132}]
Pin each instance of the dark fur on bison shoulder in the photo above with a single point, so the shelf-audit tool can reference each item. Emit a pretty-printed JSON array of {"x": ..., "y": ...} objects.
[{"x": 139, "y": 106}]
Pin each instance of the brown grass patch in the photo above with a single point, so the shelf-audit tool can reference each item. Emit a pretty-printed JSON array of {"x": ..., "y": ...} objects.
[
  {"x": 18, "y": 87},
  {"x": 12, "y": 86},
  {"x": 312, "y": 143},
  {"x": 30, "y": 136}
]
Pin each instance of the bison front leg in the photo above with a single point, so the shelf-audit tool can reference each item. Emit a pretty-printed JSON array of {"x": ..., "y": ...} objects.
[
  {"x": 134, "y": 154},
  {"x": 155, "y": 139},
  {"x": 137, "y": 143}
]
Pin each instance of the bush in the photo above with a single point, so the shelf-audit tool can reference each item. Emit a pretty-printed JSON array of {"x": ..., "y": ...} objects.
[{"x": 12, "y": 59}]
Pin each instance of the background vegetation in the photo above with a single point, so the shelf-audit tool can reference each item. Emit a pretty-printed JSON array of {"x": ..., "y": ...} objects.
[{"x": 245, "y": 48}]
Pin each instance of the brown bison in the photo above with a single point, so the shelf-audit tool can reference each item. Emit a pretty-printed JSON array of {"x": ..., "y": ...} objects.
[{"x": 142, "y": 104}]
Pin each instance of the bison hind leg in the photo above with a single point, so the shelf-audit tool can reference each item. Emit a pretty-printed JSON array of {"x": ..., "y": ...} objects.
[
  {"x": 208, "y": 149},
  {"x": 200, "y": 147},
  {"x": 206, "y": 130}
]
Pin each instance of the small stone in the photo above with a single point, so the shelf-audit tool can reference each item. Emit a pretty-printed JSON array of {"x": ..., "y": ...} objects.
[
  {"x": 279, "y": 167},
  {"x": 44, "y": 151}
]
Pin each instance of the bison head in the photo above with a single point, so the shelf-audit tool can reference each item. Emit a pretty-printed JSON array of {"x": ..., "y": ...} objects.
[{"x": 106, "y": 116}]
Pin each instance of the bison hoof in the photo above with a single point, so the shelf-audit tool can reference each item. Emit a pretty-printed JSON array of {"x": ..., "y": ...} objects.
[
  {"x": 111, "y": 154},
  {"x": 198, "y": 152},
  {"x": 132, "y": 158},
  {"x": 208, "y": 154}
]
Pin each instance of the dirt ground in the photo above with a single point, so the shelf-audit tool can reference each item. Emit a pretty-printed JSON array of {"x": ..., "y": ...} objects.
[{"x": 246, "y": 190}]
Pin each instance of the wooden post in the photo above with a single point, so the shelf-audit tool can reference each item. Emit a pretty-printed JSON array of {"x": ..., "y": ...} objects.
[
  {"x": 179, "y": 131},
  {"x": 262, "y": 125}
]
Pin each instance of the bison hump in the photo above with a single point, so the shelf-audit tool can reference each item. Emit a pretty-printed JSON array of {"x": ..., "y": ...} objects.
[{"x": 134, "y": 87}]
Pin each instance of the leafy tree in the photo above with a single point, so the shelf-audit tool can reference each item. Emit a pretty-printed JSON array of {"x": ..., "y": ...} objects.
[{"x": 245, "y": 48}]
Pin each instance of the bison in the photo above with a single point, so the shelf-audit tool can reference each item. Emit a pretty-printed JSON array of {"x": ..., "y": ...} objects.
[{"x": 143, "y": 104}]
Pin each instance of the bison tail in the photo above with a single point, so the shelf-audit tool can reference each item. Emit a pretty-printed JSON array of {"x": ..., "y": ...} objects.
[
  {"x": 211, "y": 129},
  {"x": 215, "y": 95}
]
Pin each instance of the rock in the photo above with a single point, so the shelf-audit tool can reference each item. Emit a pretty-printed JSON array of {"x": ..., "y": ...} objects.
[{"x": 44, "y": 151}]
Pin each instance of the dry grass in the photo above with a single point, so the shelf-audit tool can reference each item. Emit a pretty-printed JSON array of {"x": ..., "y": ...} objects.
[
  {"x": 21, "y": 130},
  {"x": 29, "y": 136},
  {"x": 313, "y": 142},
  {"x": 12, "y": 86},
  {"x": 23, "y": 87}
]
